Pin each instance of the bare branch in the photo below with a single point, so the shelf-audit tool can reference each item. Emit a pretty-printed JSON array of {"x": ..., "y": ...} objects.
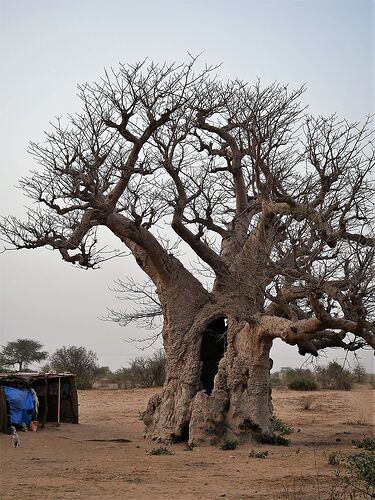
[{"x": 278, "y": 205}]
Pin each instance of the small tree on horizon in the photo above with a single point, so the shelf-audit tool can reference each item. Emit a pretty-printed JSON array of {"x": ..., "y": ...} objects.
[
  {"x": 103, "y": 372},
  {"x": 359, "y": 373},
  {"x": 22, "y": 352}
]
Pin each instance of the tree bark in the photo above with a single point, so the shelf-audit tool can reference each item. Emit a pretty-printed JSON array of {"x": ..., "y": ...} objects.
[{"x": 239, "y": 405}]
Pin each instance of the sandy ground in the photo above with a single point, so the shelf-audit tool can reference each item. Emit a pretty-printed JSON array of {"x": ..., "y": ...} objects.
[{"x": 66, "y": 461}]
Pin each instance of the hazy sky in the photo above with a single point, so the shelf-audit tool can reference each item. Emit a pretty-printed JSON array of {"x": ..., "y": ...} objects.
[{"x": 48, "y": 46}]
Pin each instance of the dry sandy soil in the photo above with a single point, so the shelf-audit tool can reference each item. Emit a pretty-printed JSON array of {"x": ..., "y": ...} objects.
[{"x": 81, "y": 461}]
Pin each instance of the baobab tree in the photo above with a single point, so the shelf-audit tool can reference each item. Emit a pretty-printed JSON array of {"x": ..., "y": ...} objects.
[{"x": 275, "y": 204}]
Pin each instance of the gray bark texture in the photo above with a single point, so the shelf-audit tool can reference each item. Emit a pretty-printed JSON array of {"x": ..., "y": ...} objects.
[{"x": 240, "y": 402}]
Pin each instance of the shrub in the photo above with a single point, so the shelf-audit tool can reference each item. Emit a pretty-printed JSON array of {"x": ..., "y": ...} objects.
[
  {"x": 148, "y": 372},
  {"x": 334, "y": 458},
  {"x": 359, "y": 421},
  {"x": 123, "y": 378},
  {"x": 334, "y": 376},
  {"x": 356, "y": 472},
  {"x": 359, "y": 374},
  {"x": 303, "y": 385},
  {"x": 281, "y": 427},
  {"x": 103, "y": 373},
  {"x": 134, "y": 479},
  {"x": 366, "y": 443},
  {"x": 299, "y": 379},
  {"x": 160, "y": 451},
  {"x": 142, "y": 372},
  {"x": 229, "y": 444},
  {"x": 307, "y": 402},
  {"x": 361, "y": 467},
  {"x": 274, "y": 439},
  {"x": 258, "y": 454},
  {"x": 276, "y": 380}
]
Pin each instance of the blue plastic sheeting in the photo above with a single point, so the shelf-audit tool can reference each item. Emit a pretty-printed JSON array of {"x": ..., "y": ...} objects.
[{"x": 21, "y": 404}]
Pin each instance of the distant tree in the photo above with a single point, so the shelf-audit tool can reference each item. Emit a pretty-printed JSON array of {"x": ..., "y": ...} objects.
[
  {"x": 103, "y": 372},
  {"x": 334, "y": 376},
  {"x": 45, "y": 368},
  {"x": 3, "y": 368},
  {"x": 359, "y": 373},
  {"x": 300, "y": 379},
  {"x": 78, "y": 360},
  {"x": 21, "y": 352},
  {"x": 123, "y": 377},
  {"x": 148, "y": 372},
  {"x": 142, "y": 372}
]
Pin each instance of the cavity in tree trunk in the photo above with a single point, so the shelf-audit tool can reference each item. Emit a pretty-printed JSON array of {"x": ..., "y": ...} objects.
[{"x": 218, "y": 386}]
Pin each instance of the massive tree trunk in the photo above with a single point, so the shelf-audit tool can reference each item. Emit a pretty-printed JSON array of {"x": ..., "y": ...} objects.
[
  {"x": 217, "y": 381},
  {"x": 217, "y": 356}
]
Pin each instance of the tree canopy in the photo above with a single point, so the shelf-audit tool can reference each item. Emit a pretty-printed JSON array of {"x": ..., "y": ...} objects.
[
  {"x": 22, "y": 352},
  {"x": 78, "y": 360},
  {"x": 274, "y": 203}
]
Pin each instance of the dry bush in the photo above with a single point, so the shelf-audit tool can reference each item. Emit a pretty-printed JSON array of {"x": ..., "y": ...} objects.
[
  {"x": 359, "y": 374},
  {"x": 142, "y": 372},
  {"x": 306, "y": 402},
  {"x": 299, "y": 379},
  {"x": 334, "y": 376}
]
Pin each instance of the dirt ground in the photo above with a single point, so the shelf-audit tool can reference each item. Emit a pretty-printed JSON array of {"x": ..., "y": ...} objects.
[{"x": 83, "y": 461}]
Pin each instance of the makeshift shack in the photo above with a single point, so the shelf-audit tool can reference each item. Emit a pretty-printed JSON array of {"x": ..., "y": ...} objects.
[{"x": 45, "y": 397}]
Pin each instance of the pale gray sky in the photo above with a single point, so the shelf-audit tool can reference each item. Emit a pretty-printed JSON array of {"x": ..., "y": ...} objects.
[{"x": 48, "y": 46}]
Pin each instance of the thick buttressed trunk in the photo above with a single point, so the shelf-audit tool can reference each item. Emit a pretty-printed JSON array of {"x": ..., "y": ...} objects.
[
  {"x": 217, "y": 383},
  {"x": 217, "y": 359}
]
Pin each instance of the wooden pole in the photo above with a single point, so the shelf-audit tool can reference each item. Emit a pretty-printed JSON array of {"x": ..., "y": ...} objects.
[
  {"x": 58, "y": 401},
  {"x": 46, "y": 402}
]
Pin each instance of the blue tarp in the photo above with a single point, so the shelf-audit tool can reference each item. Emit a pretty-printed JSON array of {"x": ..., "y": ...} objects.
[{"x": 21, "y": 404}]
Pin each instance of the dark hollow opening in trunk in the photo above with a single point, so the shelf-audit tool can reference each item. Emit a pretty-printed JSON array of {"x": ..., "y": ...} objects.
[
  {"x": 214, "y": 344},
  {"x": 185, "y": 432}
]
